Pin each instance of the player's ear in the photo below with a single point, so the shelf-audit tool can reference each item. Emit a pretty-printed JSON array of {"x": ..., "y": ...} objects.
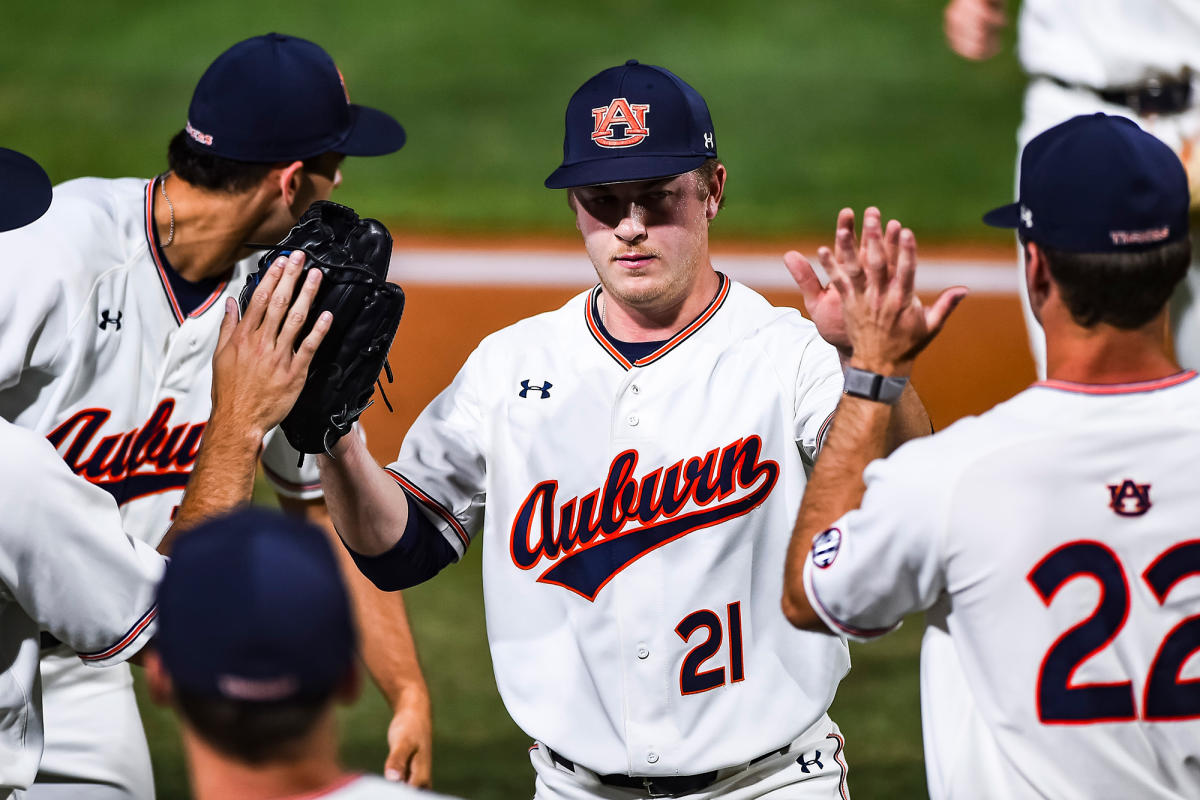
[
  {"x": 290, "y": 178},
  {"x": 157, "y": 680},
  {"x": 716, "y": 191},
  {"x": 1037, "y": 277}
]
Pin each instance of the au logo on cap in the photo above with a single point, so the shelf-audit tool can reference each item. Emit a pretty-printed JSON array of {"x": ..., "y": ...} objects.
[{"x": 631, "y": 119}]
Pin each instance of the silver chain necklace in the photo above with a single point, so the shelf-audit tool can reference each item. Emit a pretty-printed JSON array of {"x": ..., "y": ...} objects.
[{"x": 162, "y": 186}]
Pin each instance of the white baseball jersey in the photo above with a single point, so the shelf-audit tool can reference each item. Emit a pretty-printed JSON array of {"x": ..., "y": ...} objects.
[
  {"x": 1053, "y": 540},
  {"x": 636, "y": 525},
  {"x": 96, "y": 355},
  {"x": 65, "y": 567},
  {"x": 1109, "y": 43}
]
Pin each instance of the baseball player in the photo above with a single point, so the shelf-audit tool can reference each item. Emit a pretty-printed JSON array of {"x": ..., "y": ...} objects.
[
  {"x": 106, "y": 352},
  {"x": 641, "y": 453},
  {"x": 262, "y": 692},
  {"x": 69, "y": 532},
  {"x": 1051, "y": 539},
  {"x": 1133, "y": 58}
]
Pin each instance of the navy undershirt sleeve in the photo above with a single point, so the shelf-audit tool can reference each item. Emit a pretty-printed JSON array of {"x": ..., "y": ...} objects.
[{"x": 420, "y": 554}]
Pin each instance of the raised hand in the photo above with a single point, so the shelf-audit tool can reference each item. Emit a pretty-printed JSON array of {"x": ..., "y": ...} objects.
[
  {"x": 882, "y": 322},
  {"x": 258, "y": 369},
  {"x": 973, "y": 27}
]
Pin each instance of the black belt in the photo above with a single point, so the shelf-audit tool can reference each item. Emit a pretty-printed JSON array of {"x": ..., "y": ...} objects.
[
  {"x": 665, "y": 786},
  {"x": 1155, "y": 96}
]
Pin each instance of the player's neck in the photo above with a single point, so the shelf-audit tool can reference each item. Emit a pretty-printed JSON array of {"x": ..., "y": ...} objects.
[
  {"x": 309, "y": 768},
  {"x": 1104, "y": 354},
  {"x": 209, "y": 228},
  {"x": 656, "y": 322}
]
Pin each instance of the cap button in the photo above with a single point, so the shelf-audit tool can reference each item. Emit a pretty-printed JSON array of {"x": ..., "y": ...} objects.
[{"x": 633, "y": 62}]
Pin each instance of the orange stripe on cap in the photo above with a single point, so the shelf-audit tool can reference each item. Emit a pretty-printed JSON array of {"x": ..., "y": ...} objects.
[
  {"x": 441, "y": 510},
  {"x": 1119, "y": 388}
]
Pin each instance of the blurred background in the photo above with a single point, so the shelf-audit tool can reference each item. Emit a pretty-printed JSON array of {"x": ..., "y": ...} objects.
[{"x": 817, "y": 105}]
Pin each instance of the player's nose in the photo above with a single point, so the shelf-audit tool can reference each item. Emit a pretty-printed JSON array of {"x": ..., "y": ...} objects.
[{"x": 632, "y": 227}]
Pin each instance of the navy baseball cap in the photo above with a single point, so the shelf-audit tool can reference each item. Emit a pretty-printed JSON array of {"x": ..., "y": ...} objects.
[
  {"x": 280, "y": 98},
  {"x": 252, "y": 607},
  {"x": 24, "y": 190},
  {"x": 634, "y": 122},
  {"x": 1097, "y": 184}
]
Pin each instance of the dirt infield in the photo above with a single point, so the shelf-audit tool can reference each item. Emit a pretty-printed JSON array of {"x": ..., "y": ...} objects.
[{"x": 979, "y": 359}]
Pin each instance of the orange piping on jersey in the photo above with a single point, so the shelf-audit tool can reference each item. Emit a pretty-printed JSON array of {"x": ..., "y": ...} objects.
[
  {"x": 425, "y": 499},
  {"x": 138, "y": 627},
  {"x": 594, "y": 327},
  {"x": 841, "y": 760},
  {"x": 162, "y": 268},
  {"x": 1119, "y": 388}
]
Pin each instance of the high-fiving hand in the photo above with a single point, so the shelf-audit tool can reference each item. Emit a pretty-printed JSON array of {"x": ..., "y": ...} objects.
[
  {"x": 869, "y": 310},
  {"x": 259, "y": 368}
]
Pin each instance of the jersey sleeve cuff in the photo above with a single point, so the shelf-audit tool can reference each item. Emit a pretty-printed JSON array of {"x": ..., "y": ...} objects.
[
  {"x": 837, "y": 626},
  {"x": 309, "y": 490},
  {"x": 421, "y": 552},
  {"x": 451, "y": 528},
  {"x": 129, "y": 644}
]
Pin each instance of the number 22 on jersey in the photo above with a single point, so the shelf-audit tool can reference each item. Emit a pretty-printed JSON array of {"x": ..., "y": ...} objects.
[
  {"x": 692, "y": 679},
  {"x": 1166, "y": 696}
]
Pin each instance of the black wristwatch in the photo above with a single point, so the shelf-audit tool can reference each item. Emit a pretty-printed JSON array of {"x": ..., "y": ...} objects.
[{"x": 873, "y": 386}]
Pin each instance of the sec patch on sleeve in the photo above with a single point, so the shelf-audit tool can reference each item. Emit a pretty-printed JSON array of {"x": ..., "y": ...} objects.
[{"x": 825, "y": 547}]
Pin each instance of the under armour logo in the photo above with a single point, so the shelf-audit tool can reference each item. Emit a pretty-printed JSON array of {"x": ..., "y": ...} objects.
[
  {"x": 544, "y": 388},
  {"x": 106, "y": 320},
  {"x": 806, "y": 763},
  {"x": 708, "y": 140},
  {"x": 1026, "y": 217},
  {"x": 1129, "y": 499}
]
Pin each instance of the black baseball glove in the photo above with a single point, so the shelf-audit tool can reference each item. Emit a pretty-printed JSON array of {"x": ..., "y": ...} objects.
[{"x": 353, "y": 255}]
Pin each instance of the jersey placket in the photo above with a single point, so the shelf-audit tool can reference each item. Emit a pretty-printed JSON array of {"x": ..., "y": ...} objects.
[{"x": 640, "y": 609}]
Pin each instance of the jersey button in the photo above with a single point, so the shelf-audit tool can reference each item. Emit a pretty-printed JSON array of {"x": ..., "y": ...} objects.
[
  {"x": 635, "y": 389},
  {"x": 633, "y": 420},
  {"x": 652, "y": 757},
  {"x": 643, "y": 651}
]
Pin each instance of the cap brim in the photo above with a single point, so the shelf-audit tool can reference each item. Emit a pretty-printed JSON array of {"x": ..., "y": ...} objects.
[
  {"x": 1008, "y": 216},
  {"x": 372, "y": 133},
  {"x": 25, "y": 190},
  {"x": 621, "y": 169}
]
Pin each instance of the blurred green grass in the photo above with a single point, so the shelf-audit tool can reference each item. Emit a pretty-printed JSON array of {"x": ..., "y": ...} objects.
[{"x": 817, "y": 104}]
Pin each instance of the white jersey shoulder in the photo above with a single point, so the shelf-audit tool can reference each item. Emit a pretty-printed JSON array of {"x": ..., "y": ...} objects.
[
  {"x": 637, "y": 512},
  {"x": 66, "y": 567},
  {"x": 1052, "y": 540},
  {"x": 1108, "y": 44}
]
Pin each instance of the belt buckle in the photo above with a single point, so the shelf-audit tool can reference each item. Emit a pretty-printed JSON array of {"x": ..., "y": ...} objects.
[{"x": 651, "y": 789}]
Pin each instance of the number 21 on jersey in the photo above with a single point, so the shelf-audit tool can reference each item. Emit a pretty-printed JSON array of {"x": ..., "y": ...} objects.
[
  {"x": 1165, "y": 696},
  {"x": 693, "y": 679}
]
